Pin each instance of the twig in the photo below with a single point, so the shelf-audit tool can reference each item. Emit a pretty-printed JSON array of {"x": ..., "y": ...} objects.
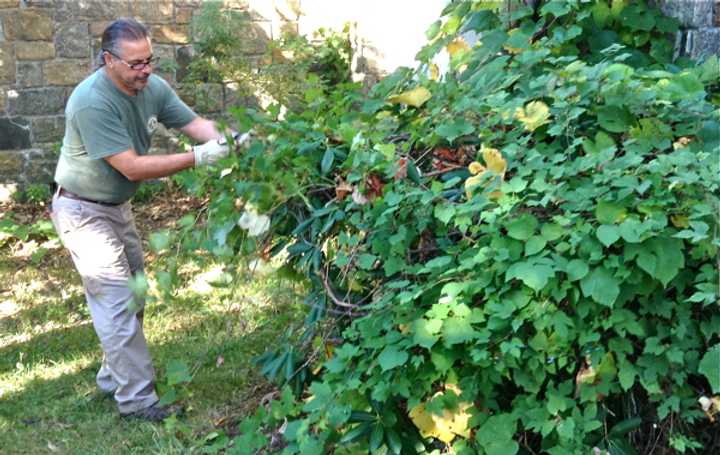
[
  {"x": 452, "y": 167},
  {"x": 333, "y": 296}
]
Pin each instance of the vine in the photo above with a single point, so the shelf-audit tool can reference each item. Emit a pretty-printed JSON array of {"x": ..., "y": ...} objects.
[{"x": 517, "y": 256}]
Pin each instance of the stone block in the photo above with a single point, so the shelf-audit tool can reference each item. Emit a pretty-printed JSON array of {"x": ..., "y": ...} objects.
[
  {"x": 152, "y": 11},
  {"x": 40, "y": 3},
  {"x": 14, "y": 134},
  {"x": 29, "y": 74},
  {"x": 44, "y": 101},
  {"x": 183, "y": 15},
  {"x": 7, "y": 64},
  {"x": 183, "y": 57},
  {"x": 256, "y": 36},
  {"x": 170, "y": 34},
  {"x": 692, "y": 14},
  {"x": 703, "y": 43},
  {"x": 72, "y": 10},
  {"x": 238, "y": 4},
  {"x": 39, "y": 166},
  {"x": 72, "y": 40},
  {"x": 47, "y": 129},
  {"x": 209, "y": 98},
  {"x": 66, "y": 72},
  {"x": 97, "y": 28},
  {"x": 9, "y": 4},
  {"x": 34, "y": 50},
  {"x": 29, "y": 25},
  {"x": 11, "y": 167}
]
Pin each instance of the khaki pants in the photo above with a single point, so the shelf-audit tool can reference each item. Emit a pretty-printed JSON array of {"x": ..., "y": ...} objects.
[{"x": 106, "y": 250}]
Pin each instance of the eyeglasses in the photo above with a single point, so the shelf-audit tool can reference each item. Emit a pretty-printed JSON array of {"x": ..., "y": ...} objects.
[{"x": 139, "y": 66}]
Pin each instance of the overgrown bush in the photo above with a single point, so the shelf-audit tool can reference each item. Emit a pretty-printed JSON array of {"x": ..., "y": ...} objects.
[
  {"x": 291, "y": 66},
  {"x": 520, "y": 256}
]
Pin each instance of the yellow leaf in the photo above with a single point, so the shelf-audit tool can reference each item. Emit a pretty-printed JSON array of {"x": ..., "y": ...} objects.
[
  {"x": 471, "y": 183},
  {"x": 434, "y": 72},
  {"x": 681, "y": 143},
  {"x": 680, "y": 221},
  {"x": 476, "y": 168},
  {"x": 533, "y": 115},
  {"x": 446, "y": 426},
  {"x": 415, "y": 97},
  {"x": 457, "y": 46},
  {"x": 494, "y": 160}
]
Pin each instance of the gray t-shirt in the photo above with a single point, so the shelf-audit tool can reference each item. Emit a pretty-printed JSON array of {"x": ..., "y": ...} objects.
[{"x": 100, "y": 121}]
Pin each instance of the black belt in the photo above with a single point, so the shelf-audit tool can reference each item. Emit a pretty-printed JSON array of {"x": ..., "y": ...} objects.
[{"x": 70, "y": 195}]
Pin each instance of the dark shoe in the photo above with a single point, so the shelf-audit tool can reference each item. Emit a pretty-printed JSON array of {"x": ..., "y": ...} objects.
[{"x": 153, "y": 413}]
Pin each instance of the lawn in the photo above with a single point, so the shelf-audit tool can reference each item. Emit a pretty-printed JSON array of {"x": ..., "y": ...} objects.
[{"x": 49, "y": 352}]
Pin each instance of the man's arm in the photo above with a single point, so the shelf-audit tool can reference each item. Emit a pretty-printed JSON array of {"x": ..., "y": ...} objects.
[
  {"x": 202, "y": 130},
  {"x": 143, "y": 167}
]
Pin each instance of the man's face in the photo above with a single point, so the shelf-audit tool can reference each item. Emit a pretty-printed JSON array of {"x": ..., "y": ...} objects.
[{"x": 132, "y": 53}]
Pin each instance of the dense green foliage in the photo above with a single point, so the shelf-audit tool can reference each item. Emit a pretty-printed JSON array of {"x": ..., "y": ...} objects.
[{"x": 517, "y": 257}]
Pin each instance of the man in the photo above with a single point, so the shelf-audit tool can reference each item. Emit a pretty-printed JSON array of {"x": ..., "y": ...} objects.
[{"x": 110, "y": 119}]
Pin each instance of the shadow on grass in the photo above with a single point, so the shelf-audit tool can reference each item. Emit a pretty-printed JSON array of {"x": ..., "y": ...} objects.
[{"x": 64, "y": 399}]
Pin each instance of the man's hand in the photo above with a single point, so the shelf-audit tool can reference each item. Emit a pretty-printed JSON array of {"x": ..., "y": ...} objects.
[{"x": 210, "y": 152}]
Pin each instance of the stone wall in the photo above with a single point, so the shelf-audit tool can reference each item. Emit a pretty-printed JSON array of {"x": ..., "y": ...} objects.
[
  {"x": 701, "y": 21},
  {"x": 48, "y": 46}
]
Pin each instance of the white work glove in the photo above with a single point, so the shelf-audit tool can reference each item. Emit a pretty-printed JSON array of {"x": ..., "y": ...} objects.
[
  {"x": 217, "y": 149},
  {"x": 210, "y": 152}
]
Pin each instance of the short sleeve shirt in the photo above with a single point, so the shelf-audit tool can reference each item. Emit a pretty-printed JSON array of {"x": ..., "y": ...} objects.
[{"x": 100, "y": 121}]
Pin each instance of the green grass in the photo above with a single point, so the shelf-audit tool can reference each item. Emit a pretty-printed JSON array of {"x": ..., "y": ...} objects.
[{"x": 49, "y": 355}]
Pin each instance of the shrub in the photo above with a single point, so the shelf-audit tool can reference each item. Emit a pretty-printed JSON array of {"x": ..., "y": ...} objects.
[{"x": 517, "y": 257}]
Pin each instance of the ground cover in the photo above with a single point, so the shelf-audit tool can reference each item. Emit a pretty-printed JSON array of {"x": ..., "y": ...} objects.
[{"x": 49, "y": 352}]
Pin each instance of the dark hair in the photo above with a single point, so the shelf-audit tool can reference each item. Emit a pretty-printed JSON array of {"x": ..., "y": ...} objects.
[{"x": 124, "y": 29}]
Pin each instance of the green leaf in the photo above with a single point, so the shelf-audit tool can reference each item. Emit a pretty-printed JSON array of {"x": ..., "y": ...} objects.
[
  {"x": 601, "y": 13},
  {"x": 496, "y": 435},
  {"x": 535, "y": 245},
  {"x": 159, "y": 241},
  {"x": 534, "y": 275},
  {"x": 425, "y": 332},
  {"x": 577, "y": 269},
  {"x": 444, "y": 212},
  {"x": 433, "y": 30},
  {"x": 552, "y": 231},
  {"x": 607, "y": 234},
  {"x": 626, "y": 374},
  {"x": 614, "y": 119},
  {"x": 391, "y": 357},
  {"x": 601, "y": 286},
  {"x": 557, "y": 9},
  {"x": 366, "y": 261},
  {"x": 457, "y": 330},
  {"x": 454, "y": 129},
  {"x": 327, "y": 160},
  {"x": 710, "y": 367},
  {"x": 609, "y": 212},
  {"x": 522, "y": 227},
  {"x": 178, "y": 372}
]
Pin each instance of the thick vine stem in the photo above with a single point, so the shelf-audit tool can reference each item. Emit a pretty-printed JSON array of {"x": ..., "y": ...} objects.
[{"x": 333, "y": 296}]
